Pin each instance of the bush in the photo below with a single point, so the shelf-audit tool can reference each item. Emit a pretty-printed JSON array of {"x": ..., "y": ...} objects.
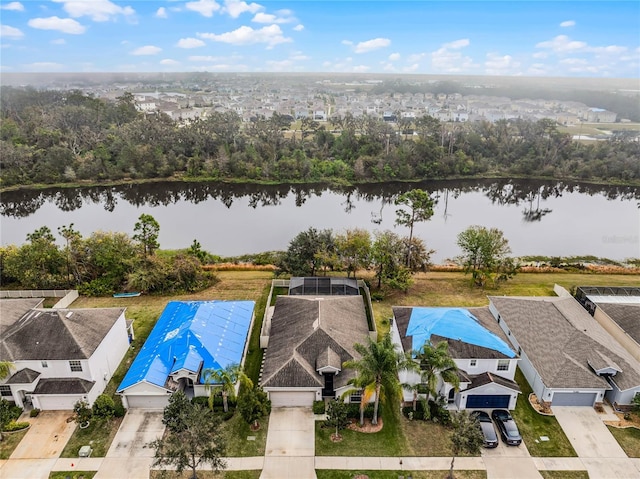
[
  {"x": 201, "y": 400},
  {"x": 417, "y": 415},
  {"x": 15, "y": 426},
  {"x": 318, "y": 407},
  {"x": 353, "y": 411},
  {"x": 15, "y": 413},
  {"x": 34, "y": 412},
  {"x": 119, "y": 410},
  {"x": 228, "y": 415},
  {"x": 103, "y": 406}
]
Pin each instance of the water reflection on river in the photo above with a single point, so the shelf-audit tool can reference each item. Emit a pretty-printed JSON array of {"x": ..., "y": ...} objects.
[{"x": 553, "y": 219}]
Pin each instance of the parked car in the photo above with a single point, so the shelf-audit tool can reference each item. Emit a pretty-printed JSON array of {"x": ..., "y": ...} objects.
[
  {"x": 486, "y": 426},
  {"x": 507, "y": 427}
]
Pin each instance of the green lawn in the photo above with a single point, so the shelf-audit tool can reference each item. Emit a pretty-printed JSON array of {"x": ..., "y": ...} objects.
[
  {"x": 426, "y": 438},
  {"x": 533, "y": 425},
  {"x": 205, "y": 475},
  {"x": 334, "y": 474},
  {"x": 99, "y": 434},
  {"x": 72, "y": 474},
  {"x": 564, "y": 474},
  {"x": 10, "y": 442},
  {"x": 236, "y": 431},
  {"x": 628, "y": 438}
]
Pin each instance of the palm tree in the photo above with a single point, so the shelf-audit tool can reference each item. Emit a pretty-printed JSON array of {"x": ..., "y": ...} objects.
[
  {"x": 377, "y": 370},
  {"x": 5, "y": 369},
  {"x": 435, "y": 363},
  {"x": 226, "y": 379}
]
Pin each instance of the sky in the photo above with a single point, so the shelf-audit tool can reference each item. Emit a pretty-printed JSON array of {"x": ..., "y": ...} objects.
[{"x": 520, "y": 38}]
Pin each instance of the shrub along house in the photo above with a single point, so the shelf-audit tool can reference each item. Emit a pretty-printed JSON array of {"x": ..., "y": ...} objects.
[
  {"x": 189, "y": 337},
  {"x": 59, "y": 356},
  {"x": 485, "y": 361},
  {"x": 309, "y": 337}
]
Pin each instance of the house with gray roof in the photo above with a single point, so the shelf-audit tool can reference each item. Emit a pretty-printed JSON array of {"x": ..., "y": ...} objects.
[
  {"x": 485, "y": 360},
  {"x": 59, "y": 356},
  {"x": 568, "y": 358},
  {"x": 310, "y": 338}
]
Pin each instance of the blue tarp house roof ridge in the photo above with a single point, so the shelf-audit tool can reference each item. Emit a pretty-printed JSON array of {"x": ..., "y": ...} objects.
[
  {"x": 453, "y": 323},
  {"x": 192, "y": 335}
]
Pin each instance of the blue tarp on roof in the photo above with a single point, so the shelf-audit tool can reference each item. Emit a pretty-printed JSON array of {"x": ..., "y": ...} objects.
[
  {"x": 453, "y": 323},
  {"x": 191, "y": 334}
]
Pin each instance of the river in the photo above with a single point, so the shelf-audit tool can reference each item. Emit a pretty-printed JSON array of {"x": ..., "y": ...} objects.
[{"x": 537, "y": 217}]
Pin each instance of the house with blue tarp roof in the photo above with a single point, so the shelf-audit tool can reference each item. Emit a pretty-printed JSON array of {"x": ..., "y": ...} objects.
[
  {"x": 188, "y": 338},
  {"x": 485, "y": 360}
]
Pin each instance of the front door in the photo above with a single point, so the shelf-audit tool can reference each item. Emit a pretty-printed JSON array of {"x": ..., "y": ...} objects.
[{"x": 328, "y": 385}]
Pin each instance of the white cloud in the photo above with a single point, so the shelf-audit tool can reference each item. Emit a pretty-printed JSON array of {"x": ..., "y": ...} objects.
[
  {"x": 262, "y": 17},
  {"x": 236, "y": 8},
  {"x": 14, "y": 6},
  {"x": 169, "y": 62},
  {"x": 562, "y": 44},
  {"x": 540, "y": 55},
  {"x": 394, "y": 57},
  {"x": 411, "y": 68},
  {"x": 280, "y": 65},
  {"x": 371, "y": 45},
  {"x": 204, "y": 58},
  {"x": 299, "y": 56},
  {"x": 44, "y": 66},
  {"x": 568, "y": 23},
  {"x": 360, "y": 69},
  {"x": 271, "y": 35},
  {"x": 299, "y": 27},
  {"x": 10, "y": 32},
  {"x": 97, "y": 10},
  {"x": 190, "y": 43},
  {"x": 206, "y": 8},
  {"x": 501, "y": 65},
  {"x": 146, "y": 50},
  {"x": 347, "y": 42},
  {"x": 608, "y": 50},
  {"x": 58, "y": 41},
  {"x": 161, "y": 13},
  {"x": 449, "y": 58},
  {"x": 457, "y": 44},
  {"x": 64, "y": 25},
  {"x": 416, "y": 57}
]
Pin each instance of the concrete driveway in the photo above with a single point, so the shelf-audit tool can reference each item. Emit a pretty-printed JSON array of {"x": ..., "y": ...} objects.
[
  {"x": 597, "y": 448},
  {"x": 501, "y": 462},
  {"x": 47, "y": 436},
  {"x": 290, "y": 445}
]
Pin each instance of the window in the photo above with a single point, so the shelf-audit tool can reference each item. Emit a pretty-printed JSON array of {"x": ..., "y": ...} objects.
[
  {"x": 75, "y": 366},
  {"x": 473, "y": 363},
  {"x": 5, "y": 391},
  {"x": 503, "y": 365},
  {"x": 356, "y": 397},
  {"x": 44, "y": 364}
]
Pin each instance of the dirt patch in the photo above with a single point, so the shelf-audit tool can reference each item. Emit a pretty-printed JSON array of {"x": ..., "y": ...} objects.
[
  {"x": 625, "y": 420},
  {"x": 539, "y": 408},
  {"x": 367, "y": 427}
]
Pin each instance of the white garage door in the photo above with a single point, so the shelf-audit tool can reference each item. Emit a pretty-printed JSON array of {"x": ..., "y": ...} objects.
[
  {"x": 292, "y": 398},
  {"x": 573, "y": 399},
  {"x": 57, "y": 403},
  {"x": 148, "y": 402}
]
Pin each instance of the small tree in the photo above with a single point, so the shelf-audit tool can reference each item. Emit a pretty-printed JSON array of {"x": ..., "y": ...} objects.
[
  {"x": 146, "y": 231},
  {"x": 6, "y": 415},
  {"x": 419, "y": 207},
  {"x": 337, "y": 416},
  {"x": 173, "y": 413},
  {"x": 82, "y": 411},
  {"x": 253, "y": 404},
  {"x": 224, "y": 380},
  {"x": 104, "y": 406},
  {"x": 197, "y": 439},
  {"x": 467, "y": 436}
]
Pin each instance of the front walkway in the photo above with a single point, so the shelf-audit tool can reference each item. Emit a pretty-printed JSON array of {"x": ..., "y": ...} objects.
[{"x": 290, "y": 446}]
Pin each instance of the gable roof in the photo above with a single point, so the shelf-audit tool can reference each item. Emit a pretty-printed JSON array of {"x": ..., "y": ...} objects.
[
  {"x": 565, "y": 344},
  {"x": 60, "y": 334},
  {"x": 627, "y": 316},
  {"x": 192, "y": 335},
  {"x": 24, "y": 376},
  {"x": 63, "y": 386},
  {"x": 487, "y": 378},
  {"x": 469, "y": 332},
  {"x": 303, "y": 330}
]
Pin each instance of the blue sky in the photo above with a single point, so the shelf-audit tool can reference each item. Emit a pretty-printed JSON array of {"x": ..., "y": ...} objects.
[{"x": 527, "y": 38}]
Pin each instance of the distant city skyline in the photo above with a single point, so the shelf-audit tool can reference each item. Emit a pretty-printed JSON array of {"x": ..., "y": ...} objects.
[{"x": 517, "y": 38}]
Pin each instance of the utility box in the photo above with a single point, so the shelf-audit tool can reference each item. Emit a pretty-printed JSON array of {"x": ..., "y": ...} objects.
[{"x": 85, "y": 451}]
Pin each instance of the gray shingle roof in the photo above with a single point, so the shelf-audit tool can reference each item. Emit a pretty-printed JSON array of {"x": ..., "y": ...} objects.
[
  {"x": 302, "y": 328},
  {"x": 57, "y": 334},
  {"x": 487, "y": 378},
  {"x": 24, "y": 376},
  {"x": 559, "y": 337},
  {"x": 12, "y": 310},
  {"x": 627, "y": 316},
  {"x": 63, "y": 386}
]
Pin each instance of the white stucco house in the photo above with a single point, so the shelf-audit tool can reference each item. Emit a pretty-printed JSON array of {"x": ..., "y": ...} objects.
[
  {"x": 59, "y": 356},
  {"x": 567, "y": 357},
  {"x": 486, "y": 363}
]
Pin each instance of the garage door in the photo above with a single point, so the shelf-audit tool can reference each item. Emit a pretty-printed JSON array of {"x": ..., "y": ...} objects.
[
  {"x": 573, "y": 399},
  {"x": 292, "y": 398},
  {"x": 148, "y": 402},
  {"x": 488, "y": 401},
  {"x": 57, "y": 403}
]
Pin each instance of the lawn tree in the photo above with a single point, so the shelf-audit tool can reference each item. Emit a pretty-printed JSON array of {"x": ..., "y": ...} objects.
[
  {"x": 484, "y": 255},
  {"x": 146, "y": 231},
  {"x": 466, "y": 438},
  {"x": 72, "y": 238},
  {"x": 418, "y": 207},
  {"x": 354, "y": 250},
  {"x": 195, "y": 439},
  {"x": 337, "y": 416},
  {"x": 377, "y": 370},
  {"x": 82, "y": 411},
  {"x": 253, "y": 404},
  {"x": 172, "y": 415},
  {"x": 435, "y": 362},
  {"x": 420, "y": 257},
  {"x": 224, "y": 380},
  {"x": 387, "y": 258},
  {"x": 307, "y": 252},
  {"x": 6, "y": 415},
  {"x": 196, "y": 250}
]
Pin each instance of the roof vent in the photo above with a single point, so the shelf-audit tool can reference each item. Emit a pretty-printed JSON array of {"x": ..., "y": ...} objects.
[{"x": 69, "y": 314}]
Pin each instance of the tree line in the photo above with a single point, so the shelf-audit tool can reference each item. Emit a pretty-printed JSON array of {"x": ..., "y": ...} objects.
[{"x": 56, "y": 137}]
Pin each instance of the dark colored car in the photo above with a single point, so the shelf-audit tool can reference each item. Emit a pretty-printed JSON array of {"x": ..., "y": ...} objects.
[
  {"x": 507, "y": 427},
  {"x": 486, "y": 426}
]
